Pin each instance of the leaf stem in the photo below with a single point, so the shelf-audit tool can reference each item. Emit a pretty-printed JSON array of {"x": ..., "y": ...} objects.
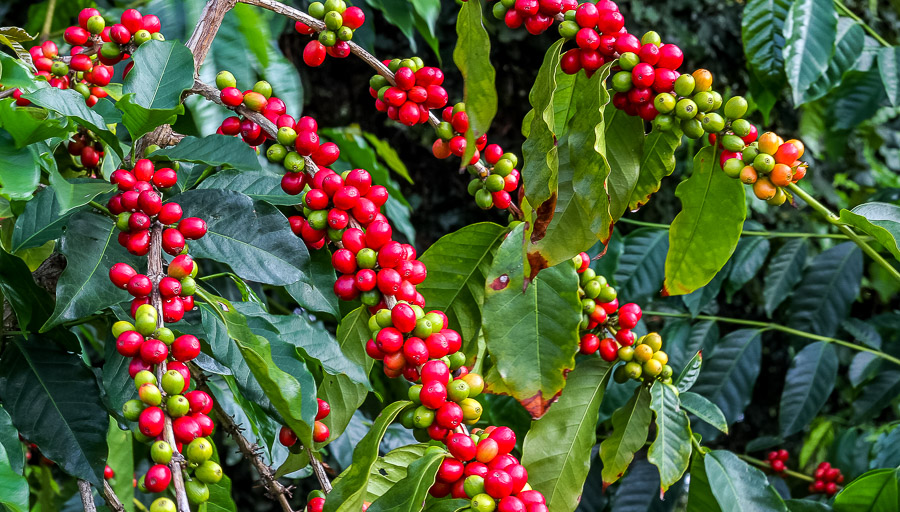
[
  {"x": 768, "y": 234},
  {"x": 770, "y": 326},
  {"x": 832, "y": 218},
  {"x": 104, "y": 210},
  {"x": 765, "y": 465},
  {"x": 850, "y": 14}
]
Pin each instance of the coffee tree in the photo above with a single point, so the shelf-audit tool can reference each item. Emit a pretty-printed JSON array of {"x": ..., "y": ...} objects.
[{"x": 178, "y": 304}]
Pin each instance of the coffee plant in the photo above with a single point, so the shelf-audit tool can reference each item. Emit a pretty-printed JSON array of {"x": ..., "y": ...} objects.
[{"x": 213, "y": 302}]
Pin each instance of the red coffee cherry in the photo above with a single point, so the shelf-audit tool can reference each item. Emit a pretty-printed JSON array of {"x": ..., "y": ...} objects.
[
  {"x": 186, "y": 429},
  {"x": 151, "y": 421},
  {"x": 120, "y": 274},
  {"x": 200, "y": 401},
  {"x": 186, "y": 348},
  {"x": 192, "y": 228},
  {"x": 320, "y": 432},
  {"x": 286, "y": 436},
  {"x": 324, "y": 409},
  {"x": 157, "y": 478},
  {"x": 129, "y": 343}
]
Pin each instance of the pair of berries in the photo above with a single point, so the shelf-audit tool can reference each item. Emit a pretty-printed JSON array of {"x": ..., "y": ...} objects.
[
  {"x": 418, "y": 89},
  {"x": 288, "y": 437},
  {"x": 340, "y": 23}
]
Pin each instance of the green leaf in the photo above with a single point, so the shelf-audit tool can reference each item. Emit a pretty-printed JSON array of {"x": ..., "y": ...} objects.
[
  {"x": 13, "y": 37},
  {"x": 702, "y": 408},
  {"x": 392, "y": 468},
  {"x": 12, "y": 452},
  {"x": 879, "y": 220},
  {"x": 90, "y": 247},
  {"x": 763, "y": 35},
  {"x": 314, "y": 291},
  {"x": 73, "y": 195},
  {"x": 162, "y": 71},
  {"x": 472, "y": 56},
  {"x": 749, "y": 257},
  {"x": 807, "y": 386},
  {"x": 54, "y": 402},
  {"x": 13, "y": 490},
  {"x": 876, "y": 395},
  {"x": 580, "y": 216},
  {"x": 706, "y": 231},
  {"x": 70, "y": 103},
  {"x": 783, "y": 273},
  {"x": 31, "y": 303},
  {"x": 19, "y": 170},
  {"x": 116, "y": 380},
  {"x": 657, "y": 162},
  {"x": 700, "y": 496},
  {"x": 690, "y": 373},
  {"x": 887, "y": 450},
  {"x": 638, "y": 491},
  {"x": 806, "y": 506},
  {"x": 847, "y": 49},
  {"x": 624, "y": 152},
  {"x": 671, "y": 450},
  {"x": 457, "y": 265},
  {"x": 29, "y": 125},
  {"x": 810, "y": 32},
  {"x": 139, "y": 120},
  {"x": 389, "y": 155},
  {"x": 731, "y": 372},
  {"x": 214, "y": 150},
  {"x": 830, "y": 285},
  {"x": 544, "y": 336},
  {"x": 889, "y": 67},
  {"x": 639, "y": 274},
  {"x": 873, "y": 491},
  {"x": 350, "y": 490},
  {"x": 631, "y": 424},
  {"x": 737, "y": 486},
  {"x": 557, "y": 448},
  {"x": 409, "y": 493},
  {"x": 252, "y": 237},
  {"x": 856, "y": 99},
  {"x": 258, "y": 185},
  {"x": 121, "y": 460},
  {"x": 540, "y": 154},
  {"x": 15, "y": 73}
]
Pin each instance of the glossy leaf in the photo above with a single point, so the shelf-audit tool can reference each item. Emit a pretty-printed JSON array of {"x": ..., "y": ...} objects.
[
  {"x": 810, "y": 32},
  {"x": 700, "y": 496},
  {"x": 70, "y": 103},
  {"x": 762, "y": 32},
  {"x": 671, "y": 450},
  {"x": 807, "y": 386},
  {"x": 749, "y": 257},
  {"x": 702, "y": 408},
  {"x": 830, "y": 285},
  {"x": 847, "y": 49},
  {"x": 121, "y": 460},
  {"x": 689, "y": 374},
  {"x": 12, "y": 452},
  {"x": 639, "y": 275},
  {"x": 409, "y": 493},
  {"x": 472, "y": 56},
  {"x": 857, "y": 98},
  {"x": 13, "y": 490},
  {"x": 630, "y": 424},
  {"x": 29, "y": 125},
  {"x": 252, "y": 237},
  {"x": 625, "y": 145},
  {"x": 391, "y": 468},
  {"x": 557, "y": 449},
  {"x": 540, "y": 154},
  {"x": 31, "y": 303},
  {"x": 40, "y": 222},
  {"x": 314, "y": 291},
  {"x": 878, "y": 220},
  {"x": 737, "y": 486},
  {"x": 730, "y": 373},
  {"x": 90, "y": 247},
  {"x": 258, "y": 185},
  {"x": 116, "y": 380},
  {"x": 706, "y": 231},
  {"x": 19, "y": 170},
  {"x": 350, "y": 490},
  {"x": 74, "y": 194},
  {"x": 214, "y": 150},
  {"x": 162, "y": 71},
  {"x": 657, "y": 162},
  {"x": 457, "y": 265},
  {"x": 876, "y": 395},
  {"x": 806, "y": 506},
  {"x": 889, "y": 67},
  {"x": 887, "y": 450},
  {"x": 13, "y": 37},
  {"x": 639, "y": 489},
  {"x": 783, "y": 273},
  {"x": 545, "y": 334},
  {"x": 54, "y": 402},
  {"x": 874, "y": 491},
  {"x": 140, "y": 120},
  {"x": 15, "y": 72}
]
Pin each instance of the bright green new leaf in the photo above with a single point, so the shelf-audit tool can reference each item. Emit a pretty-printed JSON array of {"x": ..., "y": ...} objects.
[
  {"x": 631, "y": 424},
  {"x": 472, "y": 56},
  {"x": 625, "y": 146},
  {"x": 875, "y": 491},
  {"x": 409, "y": 493}
]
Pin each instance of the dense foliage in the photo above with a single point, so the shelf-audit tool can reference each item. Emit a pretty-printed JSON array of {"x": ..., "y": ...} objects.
[{"x": 214, "y": 219}]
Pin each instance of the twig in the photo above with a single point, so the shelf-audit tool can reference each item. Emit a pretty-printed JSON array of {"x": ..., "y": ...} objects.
[
  {"x": 767, "y": 234},
  {"x": 48, "y": 20},
  {"x": 319, "y": 470},
  {"x": 87, "y": 497},
  {"x": 7, "y": 93},
  {"x": 765, "y": 465},
  {"x": 111, "y": 499},
  {"x": 210, "y": 20}
]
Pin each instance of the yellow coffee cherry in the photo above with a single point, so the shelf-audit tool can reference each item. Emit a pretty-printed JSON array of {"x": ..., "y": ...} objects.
[
  {"x": 661, "y": 356},
  {"x": 643, "y": 352},
  {"x": 653, "y": 367}
]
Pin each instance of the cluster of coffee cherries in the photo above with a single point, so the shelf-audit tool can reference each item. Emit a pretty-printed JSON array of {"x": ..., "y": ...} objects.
[
  {"x": 536, "y": 15},
  {"x": 768, "y": 164},
  {"x": 418, "y": 89},
  {"x": 86, "y": 150},
  {"x": 599, "y": 34},
  {"x": 258, "y": 99},
  {"x": 648, "y": 68},
  {"x": 340, "y": 23},
  {"x": 288, "y": 437},
  {"x": 828, "y": 479},
  {"x": 78, "y": 71},
  {"x": 176, "y": 289},
  {"x": 777, "y": 459},
  {"x": 445, "y": 398}
]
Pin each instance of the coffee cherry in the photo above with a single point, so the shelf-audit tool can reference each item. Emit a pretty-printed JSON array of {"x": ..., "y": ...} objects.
[
  {"x": 209, "y": 472},
  {"x": 158, "y": 478},
  {"x": 150, "y": 421},
  {"x": 231, "y": 96},
  {"x": 324, "y": 409},
  {"x": 320, "y": 432}
]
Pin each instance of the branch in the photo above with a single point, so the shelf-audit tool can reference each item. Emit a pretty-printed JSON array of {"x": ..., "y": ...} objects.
[
  {"x": 87, "y": 497},
  {"x": 205, "y": 31},
  {"x": 111, "y": 499},
  {"x": 319, "y": 470}
]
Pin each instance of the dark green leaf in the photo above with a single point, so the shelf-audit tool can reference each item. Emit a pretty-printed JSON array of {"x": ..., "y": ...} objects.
[
  {"x": 314, "y": 291},
  {"x": 31, "y": 303},
  {"x": 856, "y": 99},
  {"x": 876, "y": 395},
  {"x": 70, "y": 103},
  {"x": 657, "y": 162},
  {"x": 389, "y": 155},
  {"x": 830, "y": 285},
  {"x": 671, "y": 450},
  {"x": 624, "y": 150},
  {"x": 700, "y": 496},
  {"x": 706, "y": 231},
  {"x": 639, "y": 490},
  {"x": 457, "y": 264},
  {"x": 749, "y": 257},
  {"x": 540, "y": 154},
  {"x": 73, "y": 195},
  {"x": 117, "y": 382},
  {"x": 350, "y": 490},
  {"x": 702, "y": 297},
  {"x": 690, "y": 373},
  {"x": 762, "y": 32},
  {"x": 140, "y": 120},
  {"x": 252, "y": 237},
  {"x": 258, "y": 185},
  {"x": 54, "y": 402},
  {"x": 29, "y": 125},
  {"x": 121, "y": 460},
  {"x": 409, "y": 493},
  {"x": 862, "y": 368},
  {"x": 557, "y": 448},
  {"x": 162, "y": 71},
  {"x": 684, "y": 340},
  {"x": 810, "y": 32},
  {"x": 447, "y": 505},
  {"x": 639, "y": 275},
  {"x": 887, "y": 450},
  {"x": 730, "y": 373},
  {"x": 90, "y": 247},
  {"x": 889, "y": 67},
  {"x": 702, "y": 408},
  {"x": 862, "y": 331},
  {"x": 806, "y": 506},
  {"x": 737, "y": 486},
  {"x": 807, "y": 386},
  {"x": 879, "y": 220},
  {"x": 847, "y": 49},
  {"x": 19, "y": 170},
  {"x": 874, "y": 491},
  {"x": 783, "y": 273},
  {"x": 472, "y": 56},
  {"x": 214, "y": 150},
  {"x": 630, "y": 424},
  {"x": 545, "y": 334}
]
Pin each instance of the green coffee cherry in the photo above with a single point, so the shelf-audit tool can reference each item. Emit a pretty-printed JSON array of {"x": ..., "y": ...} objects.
[
  {"x": 264, "y": 88},
  {"x": 692, "y": 128},
  {"x": 317, "y": 10},
  {"x": 740, "y": 127},
  {"x": 567, "y": 29},
  {"x": 686, "y": 109},
  {"x": 732, "y": 143},
  {"x": 733, "y": 167},
  {"x": 712, "y": 122},
  {"x": 763, "y": 163},
  {"x": 276, "y": 153},
  {"x": 736, "y": 107},
  {"x": 628, "y": 60},
  {"x": 664, "y": 103}
]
